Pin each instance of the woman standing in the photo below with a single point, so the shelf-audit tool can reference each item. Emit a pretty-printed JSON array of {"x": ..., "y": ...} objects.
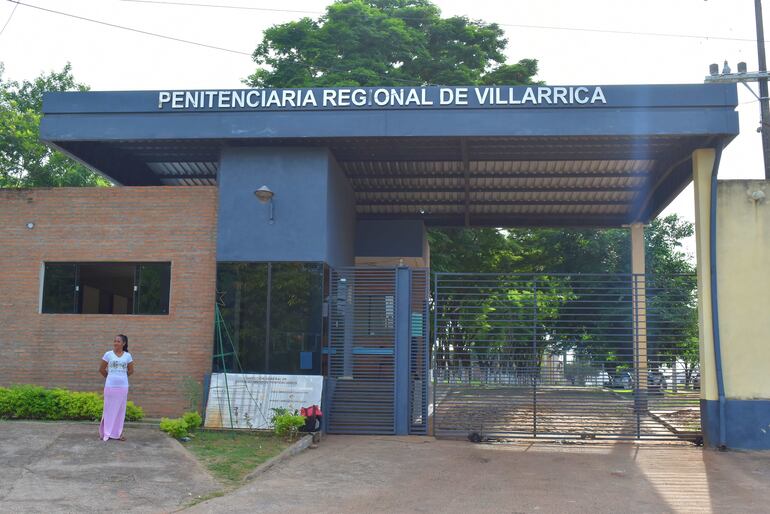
[{"x": 116, "y": 366}]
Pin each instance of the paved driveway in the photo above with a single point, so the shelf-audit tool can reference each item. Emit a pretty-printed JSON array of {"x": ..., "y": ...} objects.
[
  {"x": 64, "y": 467},
  {"x": 348, "y": 474}
]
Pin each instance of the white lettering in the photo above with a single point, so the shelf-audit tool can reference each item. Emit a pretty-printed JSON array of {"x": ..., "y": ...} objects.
[
  {"x": 598, "y": 96},
  {"x": 359, "y": 97},
  {"x": 252, "y": 98},
  {"x": 273, "y": 99},
  {"x": 191, "y": 99},
  {"x": 329, "y": 98},
  {"x": 397, "y": 97},
  {"x": 381, "y": 97},
  {"x": 164, "y": 97},
  {"x": 544, "y": 95},
  {"x": 309, "y": 100},
  {"x": 560, "y": 95},
  {"x": 498, "y": 99},
  {"x": 529, "y": 96},
  {"x": 343, "y": 96},
  {"x": 412, "y": 97},
  {"x": 581, "y": 98},
  {"x": 346, "y": 97},
  {"x": 224, "y": 99},
  {"x": 424, "y": 97},
  {"x": 176, "y": 100},
  {"x": 238, "y": 99},
  {"x": 482, "y": 94},
  {"x": 210, "y": 98},
  {"x": 461, "y": 96},
  {"x": 289, "y": 97}
]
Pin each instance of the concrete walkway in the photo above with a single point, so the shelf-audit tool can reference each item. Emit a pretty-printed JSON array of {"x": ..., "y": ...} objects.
[
  {"x": 348, "y": 474},
  {"x": 64, "y": 467}
]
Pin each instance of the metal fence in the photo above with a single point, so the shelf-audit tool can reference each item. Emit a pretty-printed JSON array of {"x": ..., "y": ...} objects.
[{"x": 565, "y": 356}]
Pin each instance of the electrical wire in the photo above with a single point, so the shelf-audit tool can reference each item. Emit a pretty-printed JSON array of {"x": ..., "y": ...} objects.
[
  {"x": 131, "y": 29},
  {"x": 516, "y": 25},
  {"x": 8, "y": 20},
  {"x": 204, "y": 45}
]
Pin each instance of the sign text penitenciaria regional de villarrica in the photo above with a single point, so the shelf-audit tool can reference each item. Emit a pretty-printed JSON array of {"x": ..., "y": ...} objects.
[{"x": 352, "y": 98}]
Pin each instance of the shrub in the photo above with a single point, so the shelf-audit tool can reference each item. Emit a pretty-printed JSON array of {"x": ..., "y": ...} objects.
[
  {"x": 176, "y": 427},
  {"x": 35, "y": 402},
  {"x": 287, "y": 425},
  {"x": 133, "y": 412},
  {"x": 193, "y": 420}
]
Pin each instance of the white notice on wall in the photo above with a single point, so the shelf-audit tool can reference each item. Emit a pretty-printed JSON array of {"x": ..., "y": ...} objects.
[{"x": 248, "y": 400}]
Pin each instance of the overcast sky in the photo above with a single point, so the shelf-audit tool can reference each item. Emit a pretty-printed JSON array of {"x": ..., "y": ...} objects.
[{"x": 597, "y": 42}]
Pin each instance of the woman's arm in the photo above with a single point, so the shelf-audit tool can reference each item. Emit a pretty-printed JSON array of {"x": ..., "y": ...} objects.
[
  {"x": 130, "y": 370},
  {"x": 103, "y": 368}
]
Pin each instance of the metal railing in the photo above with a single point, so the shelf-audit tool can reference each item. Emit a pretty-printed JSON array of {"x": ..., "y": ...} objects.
[{"x": 560, "y": 355}]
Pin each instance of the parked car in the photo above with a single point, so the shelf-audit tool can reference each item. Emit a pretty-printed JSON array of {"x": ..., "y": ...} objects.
[
  {"x": 622, "y": 380},
  {"x": 656, "y": 382}
]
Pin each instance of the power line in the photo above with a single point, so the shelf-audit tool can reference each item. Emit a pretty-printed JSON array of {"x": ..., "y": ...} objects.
[
  {"x": 516, "y": 25},
  {"x": 131, "y": 29},
  {"x": 8, "y": 20},
  {"x": 219, "y": 6},
  {"x": 187, "y": 41}
]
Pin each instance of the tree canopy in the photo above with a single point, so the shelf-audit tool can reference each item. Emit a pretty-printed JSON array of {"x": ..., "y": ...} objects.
[
  {"x": 385, "y": 43},
  {"x": 24, "y": 160}
]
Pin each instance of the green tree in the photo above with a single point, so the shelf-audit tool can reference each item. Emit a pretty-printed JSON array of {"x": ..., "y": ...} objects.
[
  {"x": 24, "y": 160},
  {"x": 590, "y": 317},
  {"x": 385, "y": 43}
]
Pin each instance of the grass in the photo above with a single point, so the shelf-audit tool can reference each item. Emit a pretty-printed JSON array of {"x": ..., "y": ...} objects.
[{"x": 230, "y": 456}]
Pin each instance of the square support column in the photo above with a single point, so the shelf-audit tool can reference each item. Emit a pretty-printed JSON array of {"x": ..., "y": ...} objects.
[{"x": 639, "y": 305}]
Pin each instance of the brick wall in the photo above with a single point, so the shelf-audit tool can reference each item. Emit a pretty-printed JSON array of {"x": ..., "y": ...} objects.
[{"x": 176, "y": 224}]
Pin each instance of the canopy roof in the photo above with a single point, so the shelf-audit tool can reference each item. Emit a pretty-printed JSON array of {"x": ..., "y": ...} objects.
[{"x": 510, "y": 156}]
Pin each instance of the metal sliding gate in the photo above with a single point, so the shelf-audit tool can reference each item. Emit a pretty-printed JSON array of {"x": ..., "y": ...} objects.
[
  {"x": 377, "y": 350},
  {"x": 565, "y": 356}
]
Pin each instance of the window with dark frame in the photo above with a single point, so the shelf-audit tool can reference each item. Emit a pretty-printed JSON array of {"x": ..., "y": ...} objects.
[{"x": 106, "y": 288}]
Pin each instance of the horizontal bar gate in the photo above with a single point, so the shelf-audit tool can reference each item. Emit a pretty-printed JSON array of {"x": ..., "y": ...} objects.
[
  {"x": 378, "y": 350},
  {"x": 565, "y": 356}
]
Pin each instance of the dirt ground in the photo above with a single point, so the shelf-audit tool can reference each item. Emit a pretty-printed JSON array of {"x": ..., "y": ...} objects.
[
  {"x": 65, "y": 467},
  {"x": 355, "y": 474}
]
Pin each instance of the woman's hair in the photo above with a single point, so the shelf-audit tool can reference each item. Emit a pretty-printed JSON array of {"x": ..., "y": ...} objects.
[{"x": 125, "y": 341}]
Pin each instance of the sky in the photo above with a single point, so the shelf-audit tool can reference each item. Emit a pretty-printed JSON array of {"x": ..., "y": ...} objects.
[{"x": 588, "y": 42}]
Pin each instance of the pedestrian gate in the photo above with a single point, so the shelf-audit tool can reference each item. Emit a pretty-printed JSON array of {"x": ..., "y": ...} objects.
[
  {"x": 565, "y": 356},
  {"x": 377, "y": 351}
]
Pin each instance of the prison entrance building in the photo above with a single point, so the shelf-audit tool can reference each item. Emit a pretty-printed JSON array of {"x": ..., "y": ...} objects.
[{"x": 295, "y": 220}]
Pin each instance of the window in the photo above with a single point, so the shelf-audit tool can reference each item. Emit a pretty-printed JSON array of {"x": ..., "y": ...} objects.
[
  {"x": 106, "y": 288},
  {"x": 272, "y": 317}
]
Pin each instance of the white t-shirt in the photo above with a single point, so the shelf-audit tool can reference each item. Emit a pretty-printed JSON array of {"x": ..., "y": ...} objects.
[{"x": 117, "y": 369}]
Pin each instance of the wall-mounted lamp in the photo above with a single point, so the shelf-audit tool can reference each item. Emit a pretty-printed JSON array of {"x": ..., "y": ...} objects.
[
  {"x": 30, "y": 225},
  {"x": 265, "y": 195}
]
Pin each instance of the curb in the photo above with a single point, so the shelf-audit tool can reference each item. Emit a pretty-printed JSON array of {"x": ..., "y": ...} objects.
[{"x": 301, "y": 445}]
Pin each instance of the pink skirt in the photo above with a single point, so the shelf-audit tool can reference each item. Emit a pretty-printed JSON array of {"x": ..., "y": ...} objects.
[{"x": 114, "y": 413}]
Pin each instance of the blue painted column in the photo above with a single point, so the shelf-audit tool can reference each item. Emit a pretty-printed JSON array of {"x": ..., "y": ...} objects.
[{"x": 403, "y": 335}]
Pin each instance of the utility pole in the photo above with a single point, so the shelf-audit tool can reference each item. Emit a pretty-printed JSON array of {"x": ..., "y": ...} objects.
[
  {"x": 760, "y": 76},
  {"x": 763, "y": 94}
]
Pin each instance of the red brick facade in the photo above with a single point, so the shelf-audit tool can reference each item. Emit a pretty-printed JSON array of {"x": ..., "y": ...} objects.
[{"x": 126, "y": 224}]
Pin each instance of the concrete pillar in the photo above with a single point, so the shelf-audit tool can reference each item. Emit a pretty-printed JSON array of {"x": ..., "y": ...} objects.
[
  {"x": 702, "y": 166},
  {"x": 640, "y": 308}
]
